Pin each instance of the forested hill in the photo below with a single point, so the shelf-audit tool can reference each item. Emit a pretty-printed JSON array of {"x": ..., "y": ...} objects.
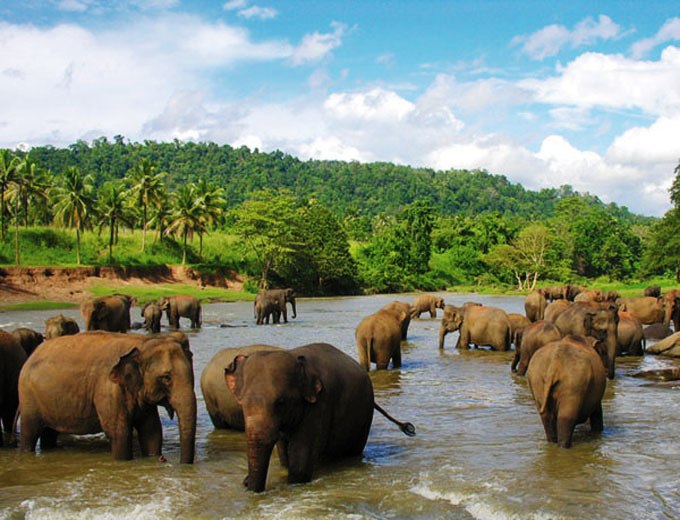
[{"x": 348, "y": 188}]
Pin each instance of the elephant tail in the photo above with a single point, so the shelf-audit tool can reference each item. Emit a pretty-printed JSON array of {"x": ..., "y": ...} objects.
[
  {"x": 405, "y": 427},
  {"x": 550, "y": 382}
]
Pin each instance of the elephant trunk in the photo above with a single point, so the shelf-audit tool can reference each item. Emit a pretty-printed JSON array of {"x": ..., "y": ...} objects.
[
  {"x": 442, "y": 333},
  {"x": 259, "y": 453},
  {"x": 292, "y": 304},
  {"x": 184, "y": 403},
  {"x": 611, "y": 343}
]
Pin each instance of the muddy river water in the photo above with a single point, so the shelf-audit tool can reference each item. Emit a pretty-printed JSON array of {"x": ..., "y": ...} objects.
[{"x": 480, "y": 450}]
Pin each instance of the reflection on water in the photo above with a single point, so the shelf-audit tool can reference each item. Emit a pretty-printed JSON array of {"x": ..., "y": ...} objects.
[{"x": 480, "y": 451}]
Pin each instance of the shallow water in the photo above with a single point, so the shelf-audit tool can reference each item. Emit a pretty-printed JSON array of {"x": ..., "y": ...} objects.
[{"x": 480, "y": 450}]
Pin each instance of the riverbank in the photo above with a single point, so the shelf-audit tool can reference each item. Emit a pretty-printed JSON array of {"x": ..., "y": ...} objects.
[{"x": 69, "y": 286}]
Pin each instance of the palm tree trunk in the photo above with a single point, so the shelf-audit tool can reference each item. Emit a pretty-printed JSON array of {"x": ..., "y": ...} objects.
[
  {"x": 111, "y": 237},
  {"x": 77, "y": 245},
  {"x": 184, "y": 249},
  {"x": 17, "y": 259},
  {"x": 3, "y": 225},
  {"x": 144, "y": 230}
]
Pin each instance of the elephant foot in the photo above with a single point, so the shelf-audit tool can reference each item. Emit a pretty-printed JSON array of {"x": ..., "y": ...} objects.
[
  {"x": 245, "y": 481},
  {"x": 162, "y": 459}
]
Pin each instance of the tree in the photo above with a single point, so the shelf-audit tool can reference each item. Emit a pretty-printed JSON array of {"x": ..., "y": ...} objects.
[
  {"x": 210, "y": 200},
  {"x": 74, "y": 202},
  {"x": 8, "y": 170},
  {"x": 146, "y": 187},
  {"x": 113, "y": 208},
  {"x": 185, "y": 216},
  {"x": 419, "y": 221}
]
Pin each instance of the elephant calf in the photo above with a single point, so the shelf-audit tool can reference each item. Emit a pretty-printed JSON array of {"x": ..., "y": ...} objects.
[
  {"x": 426, "y": 303},
  {"x": 182, "y": 305},
  {"x": 477, "y": 324}
]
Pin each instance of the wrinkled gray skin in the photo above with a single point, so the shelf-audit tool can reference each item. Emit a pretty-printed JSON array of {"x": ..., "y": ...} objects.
[
  {"x": 407, "y": 309},
  {"x": 647, "y": 308},
  {"x": 223, "y": 408},
  {"x": 518, "y": 322},
  {"x": 181, "y": 306},
  {"x": 311, "y": 402},
  {"x": 657, "y": 331},
  {"x": 630, "y": 336},
  {"x": 273, "y": 301},
  {"x": 378, "y": 338},
  {"x": 151, "y": 312},
  {"x": 110, "y": 382},
  {"x": 426, "y": 303},
  {"x": 554, "y": 309},
  {"x": 28, "y": 338},
  {"x": 12, "y": 358},
  {"x": 477, "y": 324},
  {"x": 567, "y": 379},
  {"x": 110, "y": 313},
  {"x": 597, "y": 320},
  {"x": 60, "y": 325},
  {"x": 535, "y": 304},
  {"x": 534, "y": 337}
]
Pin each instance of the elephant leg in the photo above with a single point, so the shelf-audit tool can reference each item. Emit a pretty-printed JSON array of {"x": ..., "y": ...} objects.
[
  {"x": 549, "y": 425},
  {"x": 121, "y": 443},
  {"x": 30, "y": 432},
  {"x": 565, "y": 430},
  {"x": 48, "y": 439},
  {"x": 301, "y": 457},
  {"x": 150, "y": 433},
  {"x": 282, "y": 449},
  {"x": 396, "y": 358},
  {"x": 463, "y": 339},
  {"x": 596, "y": 420},
  {"x": 433, "y": 312},
  {"x": 515, "y": 360}
]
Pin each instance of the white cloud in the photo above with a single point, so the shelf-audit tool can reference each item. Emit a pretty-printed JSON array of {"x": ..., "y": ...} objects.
[
  {"x": 233, "y": 5},
  {"x": 670, "y": 31},
  {"x": 330, "y": 149},
  {"x": 316, "y": 46},
  {"x": 550, "y": 40},
  {"x": 263, "y": 13},
  {"x": 72, "y": 5},
  {"x": 657, "y": 143},
  {"x": 376, "y": 104}
]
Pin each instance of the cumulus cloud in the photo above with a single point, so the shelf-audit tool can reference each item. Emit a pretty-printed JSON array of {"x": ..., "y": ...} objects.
[
  {"x": 550, "y": 40},
  {"x": 657, "y": 143},
  {"x": 316, "y": 46},
  {"x": 670, "y": 31},
  {"x": 245, "y": 10}
]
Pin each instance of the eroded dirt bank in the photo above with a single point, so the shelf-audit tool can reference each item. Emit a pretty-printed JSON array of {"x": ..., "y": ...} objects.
[{"x": 71, "y": 284}]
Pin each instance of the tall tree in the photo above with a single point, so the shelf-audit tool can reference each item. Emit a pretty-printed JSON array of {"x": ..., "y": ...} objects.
[
  {"x": 74, "y": 202},
  {"x": 146, "y": 185},
  {"x": 185, "y": 216},
  {"x": 113, "y": 208},
  {"x": 8, "y": 170},
  {"x": 210, "y": 200}
]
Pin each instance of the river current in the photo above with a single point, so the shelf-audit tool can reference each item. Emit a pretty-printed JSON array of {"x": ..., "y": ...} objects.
[{"x": 480, "y": 450}]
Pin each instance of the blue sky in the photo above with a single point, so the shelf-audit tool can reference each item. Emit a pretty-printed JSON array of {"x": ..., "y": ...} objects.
[{"x": 545, "y": 92}]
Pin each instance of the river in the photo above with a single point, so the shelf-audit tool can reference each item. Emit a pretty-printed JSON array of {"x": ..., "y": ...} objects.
[{"x": 480, "y": 450}]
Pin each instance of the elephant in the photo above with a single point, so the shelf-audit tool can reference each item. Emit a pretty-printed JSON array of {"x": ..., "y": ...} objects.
[
  {"x": 28, "y": 338},
  {"x": 671, "y": 307},
  {"x": 152, "y": 313},
  {"x": 427, "y": 303},
  {"x": 535, "y": 304},
  {"x": 225, "y": 412},
  {"x": 647, "y": 309},
  {"x": 572, "y": 291},
  {"x": 657, "y": 331},
  {"x": 109, "y": 313},
  {"x": 266, "y": 308},
  {"x": 110, "y": 382},
  {"x": 378, "y": 338},
  {"x": 652, "y": 290},
  {"x": 477, "y": 324},
  {"x": 518, "y": 323},
  {"x": 60, "y": 325},
  {"x": 567, "y": 379},
  {"x": 312, "y": 401},
  {"x": 554, "y": 309},
  {"x": 630, "y": 336},
  {"x": 182, "y": 305},
  {"x": 407, "y": 308},
  {"x": 598, "y": 320},
  {"x": 669, "y": 346},
  {"x": 556, "y": 292},
  {"x": 591, "y": 295},
  {"x": 275, "y": 300},
  {"x": 535, "y": 336},
  {"x": 12, "y": 358}
]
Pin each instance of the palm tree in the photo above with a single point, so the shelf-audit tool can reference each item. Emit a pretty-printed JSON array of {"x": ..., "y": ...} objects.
[
  {"x": 160, "y": 215},
  {"x": 185, "y": 216},
  {"x": 113, "y": 208},
  {"x": 30, "y": 184},
  {"x": 146, "y": 186},
  {"x": 210, "y": 199},
  {"x": 8, "y": 169},
  {"x": 74, "y": 202}
]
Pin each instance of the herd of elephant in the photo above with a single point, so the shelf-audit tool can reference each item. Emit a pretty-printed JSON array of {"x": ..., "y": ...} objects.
[{"x": 310, "y": 401}]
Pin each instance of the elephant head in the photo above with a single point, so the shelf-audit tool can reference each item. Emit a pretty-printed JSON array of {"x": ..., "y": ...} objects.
[
  {"x": 451, "y": 322},
  {"x": 275, "y": 390},
  {"x": 60, "y": 325},
  {"x": 289, "y": 295},
  {"x": 166, "y": 365},
  {"x": 671, "y": 306},
  {"x": 601, "y": 323}
]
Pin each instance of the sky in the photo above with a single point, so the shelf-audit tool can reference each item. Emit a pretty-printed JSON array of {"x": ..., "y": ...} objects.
[{"x": 547, "y": 93}]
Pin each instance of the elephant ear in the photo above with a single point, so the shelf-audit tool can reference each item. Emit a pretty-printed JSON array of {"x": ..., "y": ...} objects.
[
  {"x": 233, "y": 376},
  {"x": 126, "y": 372},
  {"x": 310, "y": 383}
]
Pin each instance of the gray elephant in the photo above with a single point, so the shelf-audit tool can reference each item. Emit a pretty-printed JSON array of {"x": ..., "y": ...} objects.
[
  {"x": 652, "y": 290},
  {"x": 378, "y": 338},
  {"x": 555, "y": 308},
  {"x": 60, "y": 325},
  {"x": 535, "y": 336},
  {"x": 12, "y": 358},
  {"x": 312, "y": 402},
  {"x": 28, "y": 338},
  {"x": 671, "y": 307},
  {"x": 110, "y": 313},
  {"x": 597, "y": 320},
  {"x": 181, "y": 306},
  {"x": 567, "y": 379},
  {"x": 426, "y": 303},
  {"x": 647, "y": 309},
  {"x": 657, "y": 331},
  {"x": 274, "y": 302},
  {"x": 630, "y": 336},
  {"x": 151, "y": 312},
  {"x": 518, "y": 323},
  {"x": 224, "y": 410},
  {"x": 477, "y": 324},
  {"x": 399, "y": 307},
  {"x": 110, "y": 382},
  {"x": 535, "y": 304}
]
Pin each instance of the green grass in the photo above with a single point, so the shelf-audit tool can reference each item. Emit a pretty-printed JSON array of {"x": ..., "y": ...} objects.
[{"x": 144, "y": 294}]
